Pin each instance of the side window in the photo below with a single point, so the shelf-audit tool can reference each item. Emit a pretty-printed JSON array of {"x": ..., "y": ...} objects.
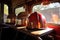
[
  {"x": 18, "y": 10},
  {"x": 5, "y": 12},
  {"x": 0, "y": 7},
  {"x": 51, "y": 11}
]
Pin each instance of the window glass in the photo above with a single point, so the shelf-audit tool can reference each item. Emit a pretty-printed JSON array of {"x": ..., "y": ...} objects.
[
  {"x": 51, "y": 11},
  {"x": 0, "y": 7},
  {"x": 5, "y": 9},
  {"x": 18, "y": 10},
  {"x": 5, "y": 12}
]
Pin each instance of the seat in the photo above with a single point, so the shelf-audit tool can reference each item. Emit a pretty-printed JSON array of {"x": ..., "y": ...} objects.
[{"x": 7, "y": 33}]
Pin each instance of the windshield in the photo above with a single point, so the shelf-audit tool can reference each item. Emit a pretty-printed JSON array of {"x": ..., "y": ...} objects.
[{"x": 50, "y": 11}]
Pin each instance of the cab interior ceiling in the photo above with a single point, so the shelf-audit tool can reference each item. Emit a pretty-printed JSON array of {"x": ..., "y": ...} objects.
[{"x": 18, "y": 3}]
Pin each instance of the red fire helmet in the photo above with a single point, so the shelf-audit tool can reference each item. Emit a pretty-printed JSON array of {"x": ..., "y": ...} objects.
[{"x": 36, "y": 18}]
